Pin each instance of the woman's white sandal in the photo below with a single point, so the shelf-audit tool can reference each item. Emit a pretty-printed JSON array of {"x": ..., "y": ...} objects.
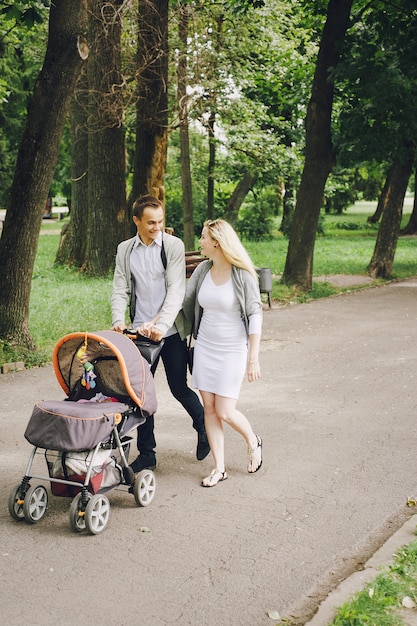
[
  {"x": 253, "y": 456},
  {"x": 215, "y": 477}
]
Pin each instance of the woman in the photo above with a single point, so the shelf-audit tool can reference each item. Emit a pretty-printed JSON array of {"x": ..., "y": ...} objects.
[{"x": 224, "y": 305}]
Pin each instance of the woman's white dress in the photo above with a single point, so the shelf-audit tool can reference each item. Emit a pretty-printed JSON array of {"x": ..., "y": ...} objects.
[{"x": 220, "y": 352}]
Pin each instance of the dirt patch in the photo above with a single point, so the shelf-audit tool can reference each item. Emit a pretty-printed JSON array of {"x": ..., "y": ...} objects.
[{"x": 345, "y": 280}]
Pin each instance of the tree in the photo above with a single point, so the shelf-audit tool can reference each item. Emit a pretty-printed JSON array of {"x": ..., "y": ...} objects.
[
  {"x": 107, "y": 221},
  {"x": 99, "y": 216},
  {"x": 411, "y": 227},
  {"x": 319, "y": 158},
  {"x": 388, "y": 232},
  {"x": 377, "y": 120},
  {"x": 152, "y": 99},
  {"x": 382, "y": 202},
  {"x": 73, "y": 242},
  {"x": 182, "y": 81},
  {"x": 240, "y": 192},
  {"x": 38, "y": 152}
]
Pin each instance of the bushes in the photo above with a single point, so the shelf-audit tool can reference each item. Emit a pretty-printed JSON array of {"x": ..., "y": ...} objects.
[{"x": 256, "y": 217}]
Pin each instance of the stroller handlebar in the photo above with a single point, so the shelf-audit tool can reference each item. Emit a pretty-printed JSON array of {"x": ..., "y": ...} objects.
[{"x": 135, "y": 336}]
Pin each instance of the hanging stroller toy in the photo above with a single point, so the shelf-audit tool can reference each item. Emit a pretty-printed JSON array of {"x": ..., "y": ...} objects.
[{"x": 86, "y": 437}]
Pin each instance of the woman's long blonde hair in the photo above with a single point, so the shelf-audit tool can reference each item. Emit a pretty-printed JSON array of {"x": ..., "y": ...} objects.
[{"x": 232, "y": 248}]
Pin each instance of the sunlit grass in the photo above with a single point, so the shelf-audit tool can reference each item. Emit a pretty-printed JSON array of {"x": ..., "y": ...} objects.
[
  {"x": 64, "y": 301},
  {"x": 381, "y": 600}
]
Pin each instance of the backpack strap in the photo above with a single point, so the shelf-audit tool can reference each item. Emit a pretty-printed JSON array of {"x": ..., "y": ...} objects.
[{"x": 163, "y": 253}]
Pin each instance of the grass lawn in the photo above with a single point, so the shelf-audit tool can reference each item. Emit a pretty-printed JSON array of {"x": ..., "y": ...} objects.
[
  {"x": 64, "y": 301},
  {"x": 379, "y": 603}
]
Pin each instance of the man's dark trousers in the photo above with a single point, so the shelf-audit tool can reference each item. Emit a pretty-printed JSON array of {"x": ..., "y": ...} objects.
[{"x": 174, "y": 358}]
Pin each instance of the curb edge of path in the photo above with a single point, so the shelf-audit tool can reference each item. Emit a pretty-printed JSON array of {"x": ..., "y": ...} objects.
[
  {"x": 359, "y": 579},
  {"x": 353, "y": 571}
]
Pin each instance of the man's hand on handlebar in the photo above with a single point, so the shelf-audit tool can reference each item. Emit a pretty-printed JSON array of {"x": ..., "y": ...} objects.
[
  {"x": 148, "y": 329},
  {"x": 119, "y": 328}
]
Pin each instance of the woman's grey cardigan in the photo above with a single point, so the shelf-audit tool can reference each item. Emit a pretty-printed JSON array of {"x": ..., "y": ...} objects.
[{"x": 246, "y": 290}]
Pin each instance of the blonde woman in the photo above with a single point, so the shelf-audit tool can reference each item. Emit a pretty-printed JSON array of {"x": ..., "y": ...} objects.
[{"x": 224, "y": 304}]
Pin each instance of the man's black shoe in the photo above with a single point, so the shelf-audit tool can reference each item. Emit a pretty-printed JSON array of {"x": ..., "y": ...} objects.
[
  {"x": 143, "y": 462},
  {"x": 203, "y": 447}
]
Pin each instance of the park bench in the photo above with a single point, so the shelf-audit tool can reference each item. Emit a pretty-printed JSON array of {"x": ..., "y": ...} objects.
[
  {"x": 60, "y": 211},
  {"x": 194, "y": 257}
]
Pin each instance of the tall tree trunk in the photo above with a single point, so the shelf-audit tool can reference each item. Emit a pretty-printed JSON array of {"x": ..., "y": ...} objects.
[
  {"x": 211, "y": 166},
  {"x": 108, "y": 221},
  {"x": 212, "y": 96},
  {"x": 411, "y": 228},
  {"x": 239, "y": 194},
  {"x": 72, "y": 245},
  {"x": 36, "y": 161},
  {"x": 319, "y": 158},
  {"x": 152, "y": 101},
  {"x": 182, "y": 74},
  {"x": 389, "y": 229}
]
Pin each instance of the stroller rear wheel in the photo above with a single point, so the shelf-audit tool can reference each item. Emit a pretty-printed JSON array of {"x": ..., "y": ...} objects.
[
  {"x": 77, "y": 514},
  {"x": 16, "y": 504},
  {"x": 144, "y": 487},
  {"x": 97, "y": 514},
  {"x": 35, "y": 504}
]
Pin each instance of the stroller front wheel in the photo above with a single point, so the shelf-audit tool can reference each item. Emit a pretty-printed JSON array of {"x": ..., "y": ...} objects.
[
  {"x": 144, "y": 487},
  {"x": 35, "y": 504},
  {"x": 97, "y": 513},
  {"x": 16, "y": 504},
  {"x": 77, "y": 514}
]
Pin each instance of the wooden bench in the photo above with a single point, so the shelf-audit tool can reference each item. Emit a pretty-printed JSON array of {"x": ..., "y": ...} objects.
[{"x": 192, "y": 259}]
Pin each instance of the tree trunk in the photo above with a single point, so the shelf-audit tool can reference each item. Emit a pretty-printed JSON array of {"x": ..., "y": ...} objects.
[
  {"x": 411, "y": 228},
  {"x": 152, "y": 102},
  {"x": 239, "y": 194},
  {"x": 288, "y": 204},
  {"x": 36, "y": 161},
  {"x": 108, "y": 221},
  {"x": 382, "y": 202},
  {"x": 388, "y": 232},
  {"x": 72, "y": 245},
  {"x": 182, "y": 74},
  {"x": 319, "y": 152},
  {"x": 211, "y": 166}
]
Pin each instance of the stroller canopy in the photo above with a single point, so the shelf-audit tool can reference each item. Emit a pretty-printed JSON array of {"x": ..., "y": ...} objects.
[{"x": 118, "y": 366}]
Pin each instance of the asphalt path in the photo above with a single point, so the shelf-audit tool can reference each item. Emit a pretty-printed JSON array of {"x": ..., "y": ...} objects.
[{"x": 336, "y": 408}]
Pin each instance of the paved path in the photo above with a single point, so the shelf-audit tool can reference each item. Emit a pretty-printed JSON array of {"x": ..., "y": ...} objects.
[{"x": 336, "y": 408}]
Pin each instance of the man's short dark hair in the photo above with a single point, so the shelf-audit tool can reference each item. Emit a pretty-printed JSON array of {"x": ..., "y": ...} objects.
[{"x": 141, "y": 203}]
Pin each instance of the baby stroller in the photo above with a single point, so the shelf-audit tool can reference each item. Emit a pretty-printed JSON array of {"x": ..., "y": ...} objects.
[{"x": 85, "y": 438}]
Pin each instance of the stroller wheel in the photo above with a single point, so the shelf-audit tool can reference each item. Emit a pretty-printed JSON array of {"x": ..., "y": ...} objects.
[
  {"x": 35, "y": 504},
  {"x": 77, "y": 514},
  {"x": 144, "y": 487},
  {"x": 16, "y": 504},
  {"x": 97, "y": 514}
]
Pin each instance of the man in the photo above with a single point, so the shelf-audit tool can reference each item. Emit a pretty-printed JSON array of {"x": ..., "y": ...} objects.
[{"x": 149, "y": 278}]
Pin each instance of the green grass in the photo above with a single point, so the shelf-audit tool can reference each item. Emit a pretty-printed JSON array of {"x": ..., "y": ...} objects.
[
  {"x": 378, "y": 603},
  {"x": 64, "y": 301}
]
